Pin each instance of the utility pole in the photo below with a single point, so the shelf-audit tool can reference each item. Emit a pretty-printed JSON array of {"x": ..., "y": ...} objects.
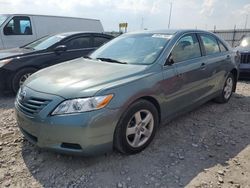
[
  {"x": 170, "y": 14},
  {"x": 142, "y": 24},
  {"x": 246, "y": 21}
]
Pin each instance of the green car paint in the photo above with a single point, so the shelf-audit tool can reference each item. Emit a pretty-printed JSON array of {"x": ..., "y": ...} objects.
[{"x": 172, "y": 88}]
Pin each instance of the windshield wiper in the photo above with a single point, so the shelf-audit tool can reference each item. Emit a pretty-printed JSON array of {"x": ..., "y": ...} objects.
[
  {"x": 111, "y": 60},
  {"x": 86, "y": 57},
  {"x": 29, "y": 48}
]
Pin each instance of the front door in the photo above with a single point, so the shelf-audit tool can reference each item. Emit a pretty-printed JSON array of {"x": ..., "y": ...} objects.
[{"x": 77, "y": 47}]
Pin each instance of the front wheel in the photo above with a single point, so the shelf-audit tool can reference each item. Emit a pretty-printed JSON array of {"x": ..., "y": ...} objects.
[
  {"x": 20, "y": 77},
  {"x": 227, "y": 90},
  {"x": 136, "y": 128}
]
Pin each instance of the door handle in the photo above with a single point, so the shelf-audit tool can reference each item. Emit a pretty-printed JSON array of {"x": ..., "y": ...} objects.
[
  {"x": 228, "y": 57},
  {"x": 203, "y": 66},
  {"x": 179, "y": 75}
]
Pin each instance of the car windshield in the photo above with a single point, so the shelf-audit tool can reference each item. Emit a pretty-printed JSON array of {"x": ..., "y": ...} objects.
[
  {"x": 245, "y": 42},
  {"x": 44, "y": 43},
  {"x": 133, "y": 49},
  {"x": 2, "y": 19}
]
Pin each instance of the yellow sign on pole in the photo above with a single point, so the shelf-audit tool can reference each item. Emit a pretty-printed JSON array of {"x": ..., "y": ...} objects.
[{"x": 123, "y": 26}]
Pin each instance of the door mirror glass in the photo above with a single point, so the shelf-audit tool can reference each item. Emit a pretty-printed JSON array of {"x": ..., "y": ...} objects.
[
  {"x": 170, "y": 60},
  {"x": 60, "y": 49}
]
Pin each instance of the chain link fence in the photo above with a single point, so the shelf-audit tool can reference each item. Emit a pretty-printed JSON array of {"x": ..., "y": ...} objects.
[{"x": 234, "y": 36}]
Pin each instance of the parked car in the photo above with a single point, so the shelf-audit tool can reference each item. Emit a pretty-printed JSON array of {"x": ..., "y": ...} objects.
[
  {"x": 124, "y": 90},
  {"x": 20, "y": 29},
  {"x": 244, "y": 50},
  {"x": 17, "y": 64}
]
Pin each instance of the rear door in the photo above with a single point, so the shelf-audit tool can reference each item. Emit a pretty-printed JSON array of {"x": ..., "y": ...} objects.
[
  {"x": 18, "y": 31},
  {"x": 217, "y": 59},
  {"x": 190, "y": 72}
]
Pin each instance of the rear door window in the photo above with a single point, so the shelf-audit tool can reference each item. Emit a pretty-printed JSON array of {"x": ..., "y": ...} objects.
[
  {"x": 78, "y": 43},
  {"x": 210, "y": 44},
  {"x": 18, "y": 25},
  {"x": 186, "y": 48}
]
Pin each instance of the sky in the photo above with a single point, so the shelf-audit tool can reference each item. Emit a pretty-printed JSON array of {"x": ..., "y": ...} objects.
[{"x": 141, "y": 14}]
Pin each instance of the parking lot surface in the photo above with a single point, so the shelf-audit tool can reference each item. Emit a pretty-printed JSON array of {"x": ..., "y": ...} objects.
[{"x": 208, "y": 147}]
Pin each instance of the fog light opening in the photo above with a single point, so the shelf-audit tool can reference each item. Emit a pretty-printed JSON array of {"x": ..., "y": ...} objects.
[{"x": 71, "y": 146}]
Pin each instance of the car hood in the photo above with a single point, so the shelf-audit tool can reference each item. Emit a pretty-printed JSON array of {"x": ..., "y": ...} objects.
[
  {"x": 13, "y": 52},
  {"x": 243, "y": 49},
  {"x": 81, "y": 77}
]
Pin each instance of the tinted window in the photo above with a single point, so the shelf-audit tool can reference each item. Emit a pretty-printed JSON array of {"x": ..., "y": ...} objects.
[
  {"x": 222, "y": 47},
  {"x": 210, "y": 44},
  {"x": 19, "y": 25},
  {"x": 187, "y": 48},
  {"x": 98, "y": 41},
  {"x": 78, "y": 43},
  {"x": 45, "y": 42}
]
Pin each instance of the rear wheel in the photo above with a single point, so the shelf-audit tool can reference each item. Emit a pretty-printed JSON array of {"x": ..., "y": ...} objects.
[
  {"x": 227, "y": 90},
  {"x": 20, "y": 77},
  {"x": 136, "y": 128}
]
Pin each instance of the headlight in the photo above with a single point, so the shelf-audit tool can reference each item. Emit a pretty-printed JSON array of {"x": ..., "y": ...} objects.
[
  {"x": 4, "y": 62},
  {"x": 82, "y": 105}
]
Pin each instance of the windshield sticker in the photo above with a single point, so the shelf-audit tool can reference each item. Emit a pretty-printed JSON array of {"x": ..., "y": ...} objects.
[{"x": 163, "y": 36}]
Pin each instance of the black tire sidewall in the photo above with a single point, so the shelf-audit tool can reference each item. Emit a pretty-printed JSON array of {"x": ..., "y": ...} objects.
[
  {"x": 137, "y": 106},
  {"x": 17, "y": 76}
]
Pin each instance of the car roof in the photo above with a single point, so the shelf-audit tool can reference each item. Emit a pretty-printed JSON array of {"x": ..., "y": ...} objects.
[
  {"x": 169, "y": 31},
  {"x": 67, "y": 34}
]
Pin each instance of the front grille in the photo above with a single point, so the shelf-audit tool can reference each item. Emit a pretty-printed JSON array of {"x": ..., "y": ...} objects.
[
  {"x": 31, "y": 105},
  {"x": 245, "y": 58}
]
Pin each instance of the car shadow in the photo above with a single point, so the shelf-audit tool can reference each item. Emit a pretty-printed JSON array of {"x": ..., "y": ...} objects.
[{"x": 210, "y": 135}]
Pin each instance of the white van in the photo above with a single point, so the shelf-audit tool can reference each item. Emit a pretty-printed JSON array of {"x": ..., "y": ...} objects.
[{"x": 19, "y": 29}]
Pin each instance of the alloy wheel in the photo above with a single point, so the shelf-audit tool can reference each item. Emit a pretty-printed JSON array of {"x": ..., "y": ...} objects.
[
  {"x": 140, "y": 128},
  {"x": 23, "y": 78},
  {"x": 228, "y": 88}
]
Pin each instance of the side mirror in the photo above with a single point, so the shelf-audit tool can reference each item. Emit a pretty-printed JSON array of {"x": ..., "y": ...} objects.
[
  {"x": 170, "y": 60},
  {"x": 60, "y": 49}
]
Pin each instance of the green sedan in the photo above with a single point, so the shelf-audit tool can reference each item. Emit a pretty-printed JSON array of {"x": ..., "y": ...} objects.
[{"x": 117, "y": 97}]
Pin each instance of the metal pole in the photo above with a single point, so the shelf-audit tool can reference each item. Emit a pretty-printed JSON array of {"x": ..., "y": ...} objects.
[
  {"x": 170, "y": 14},
  {"x": 142, "y": 24},
  {"x": 246, "y": 21},
  {"x": 234, "y": 36}
]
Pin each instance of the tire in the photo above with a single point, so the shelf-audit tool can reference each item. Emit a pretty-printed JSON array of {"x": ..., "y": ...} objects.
[
  {"x": 20, "y": 76},
  {"x": 134, "y": 131},
  {"x": 227, "y": 90}
]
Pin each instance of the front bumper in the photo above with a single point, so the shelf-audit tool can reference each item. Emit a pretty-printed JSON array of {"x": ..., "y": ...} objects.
[
  {"x": 244, "y": 70},
  {"x": 88, "y": 133}
]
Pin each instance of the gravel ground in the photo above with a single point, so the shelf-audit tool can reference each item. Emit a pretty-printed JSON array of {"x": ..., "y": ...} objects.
[{"x": 208, "y": 147}]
